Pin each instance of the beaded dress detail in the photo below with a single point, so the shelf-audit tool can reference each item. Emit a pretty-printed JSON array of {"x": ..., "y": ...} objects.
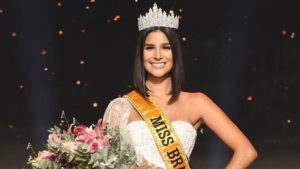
[{"x": 117, "y": 114}]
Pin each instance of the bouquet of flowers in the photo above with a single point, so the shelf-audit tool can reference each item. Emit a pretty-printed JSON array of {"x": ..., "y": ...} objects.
[{"x": 94, "y": 147}]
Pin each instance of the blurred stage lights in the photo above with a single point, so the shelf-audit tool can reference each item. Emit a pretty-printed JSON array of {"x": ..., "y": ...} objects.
[
  {"x": 95, "y": 105},
  {"x": 46, "y": 69},
  {"x": 60, "y": 32},
  {"x": 59, "y": 4},
  {"x": 249, "y": 98},
  {"x": 21, "y": 86},
  {"x": 78, "y": 82},
  {"x": 10, "y": 126},
  {"x": 292, "y": 36},
  {"x": 283, "y": 32},
  {"x": 92, "y": 1},
  {"x": 82, "y": 62},
  {"x": 1, "y": 11},
  {"x": 117, "y": 17},
  {"x": 14, "y": 34},
  {"x": 44, "y": 52}
]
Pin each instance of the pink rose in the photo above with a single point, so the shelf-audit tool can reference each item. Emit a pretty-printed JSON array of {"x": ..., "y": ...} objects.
[
  {"x": 94, "y": 146},
  {"x": 78, "y": 130}
]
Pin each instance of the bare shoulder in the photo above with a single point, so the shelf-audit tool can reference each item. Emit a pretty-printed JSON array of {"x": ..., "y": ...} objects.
[{"x": 195, "y": 98}]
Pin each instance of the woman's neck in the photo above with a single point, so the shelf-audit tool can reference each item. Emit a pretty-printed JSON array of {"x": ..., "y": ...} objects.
[{"x": 159, "y": 86}]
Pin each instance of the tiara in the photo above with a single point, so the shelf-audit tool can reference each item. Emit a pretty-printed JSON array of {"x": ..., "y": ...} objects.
[{"x": 157, "y": 17}]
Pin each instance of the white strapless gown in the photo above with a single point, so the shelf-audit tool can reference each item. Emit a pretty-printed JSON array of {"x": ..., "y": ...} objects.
[{"x": 117, "y": 114}]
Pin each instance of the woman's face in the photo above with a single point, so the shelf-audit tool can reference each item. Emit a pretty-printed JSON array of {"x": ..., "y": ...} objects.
[{"x": 158, "y": 57}]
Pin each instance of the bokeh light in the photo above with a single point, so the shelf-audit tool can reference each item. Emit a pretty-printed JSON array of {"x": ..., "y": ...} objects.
[
  {"x": 283, "y": 32},
  {"x": 59, "y": 4},
  {"x": 292, "y": 35},
  {"x": 44, "y": 52},
  {"x": 60, "y": 32},
  {"x": 117, "y": 17},
  {"x": 46, "y": 69},
  {"x": 95, "y": 105},
  {"x": 78, "y": 82},
  {"x": 10, "y": 126},
  {"x": 14, "y": 34},
  {"x": 249, "y": 98}
]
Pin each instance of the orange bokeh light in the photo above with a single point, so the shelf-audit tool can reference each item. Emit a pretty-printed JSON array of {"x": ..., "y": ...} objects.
[
  {"x": 92, "y": 1},
  {"x": 60, "y": 32},
  {"x": 46, "y": 69},
  {"x": 117, "y": 17},
  {"x": 87, "y": 7},
  {"x": 78, "y": 82},
  {"x": 180, "y": 10},
  {"x": 82, "y": 62},
  {"x": 95, "y": 104},
  {"x": 292, "y": 35},
  {"x": 21, "y": 87},
  {"x": 249, "y": 98},
  {"x": 44, "y": 52},
  {"x": 59, "y": 4},
  {"x": 171, "y": 11},
  {"x": 83, "y": 31},
  {"x": 289, "y": 121},
  {"x": 11, "y": 126},
  {"x": 283, "y": 32},
  {"x": 1, "y": 11},
  {"x": 184, "y": 38},
  {"x": 14, "y": 34}
]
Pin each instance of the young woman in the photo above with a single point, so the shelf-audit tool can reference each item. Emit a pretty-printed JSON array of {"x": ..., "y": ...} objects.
[{"x": 158, "y": 78}]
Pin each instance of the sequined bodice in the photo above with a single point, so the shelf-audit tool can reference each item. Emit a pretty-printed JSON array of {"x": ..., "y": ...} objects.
[{"x": 117, "y": 114}]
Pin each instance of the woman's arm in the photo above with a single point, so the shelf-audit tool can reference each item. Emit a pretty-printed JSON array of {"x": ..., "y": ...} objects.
[{"x": 227, "y": 131}]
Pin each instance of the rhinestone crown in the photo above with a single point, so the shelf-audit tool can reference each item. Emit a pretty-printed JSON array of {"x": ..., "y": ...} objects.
[{"x": 157, "y": 17}]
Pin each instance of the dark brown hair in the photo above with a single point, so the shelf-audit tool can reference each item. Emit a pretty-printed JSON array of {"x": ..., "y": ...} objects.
[{"x": 177, "y": 72}]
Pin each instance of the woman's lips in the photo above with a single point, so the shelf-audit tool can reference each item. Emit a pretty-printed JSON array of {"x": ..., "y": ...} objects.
[{"x": 158, "y": 65}]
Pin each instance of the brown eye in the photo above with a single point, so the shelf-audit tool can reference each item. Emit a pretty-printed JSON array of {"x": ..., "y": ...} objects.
[
  {"x": 149, "y": 47},
  {"x": 167, "y": 47}
]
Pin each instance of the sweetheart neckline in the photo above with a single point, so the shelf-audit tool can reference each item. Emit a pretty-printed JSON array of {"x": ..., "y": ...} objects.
[{"x": 189, "y": 124}]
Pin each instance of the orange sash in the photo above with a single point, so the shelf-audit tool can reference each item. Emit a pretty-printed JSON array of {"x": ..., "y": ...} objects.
[{"x": 162, "y": 131}]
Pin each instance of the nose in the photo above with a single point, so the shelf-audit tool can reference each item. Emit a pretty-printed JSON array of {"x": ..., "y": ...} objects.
[{"x": 158, "y": 55}]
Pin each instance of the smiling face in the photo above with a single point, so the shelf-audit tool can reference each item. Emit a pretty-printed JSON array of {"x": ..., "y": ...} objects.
[{"x": 158, "y": 57}]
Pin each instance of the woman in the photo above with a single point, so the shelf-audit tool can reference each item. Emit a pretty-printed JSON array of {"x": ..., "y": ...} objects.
[{"x": 158, "y": 78}]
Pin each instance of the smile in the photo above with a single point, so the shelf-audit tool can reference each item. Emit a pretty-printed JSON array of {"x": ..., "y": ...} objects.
[{"x": 158, "y": 65}]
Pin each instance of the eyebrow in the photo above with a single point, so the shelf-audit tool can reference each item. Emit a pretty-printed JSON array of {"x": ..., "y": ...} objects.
[{"x": 147, "y": 44}]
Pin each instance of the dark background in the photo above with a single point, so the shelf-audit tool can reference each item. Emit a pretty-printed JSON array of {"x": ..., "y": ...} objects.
[{"x": 236, "y": 52}]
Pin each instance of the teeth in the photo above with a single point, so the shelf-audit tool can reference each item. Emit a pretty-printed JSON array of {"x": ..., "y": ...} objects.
[{"x": 158, "y": 64}]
